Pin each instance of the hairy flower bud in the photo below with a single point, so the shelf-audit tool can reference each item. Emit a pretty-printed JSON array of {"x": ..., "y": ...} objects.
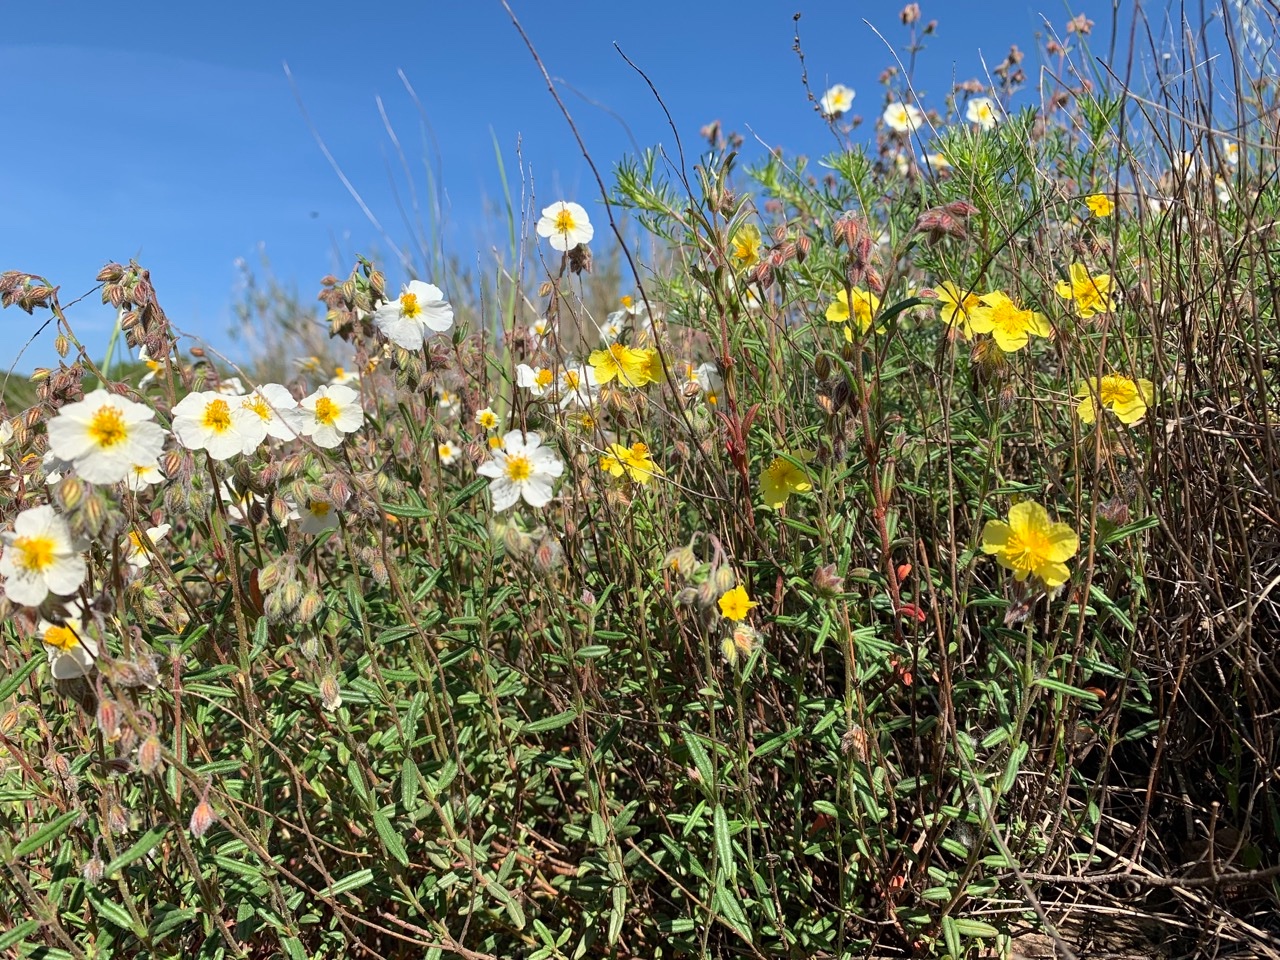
[
  {"x": 70, "y": 493},
  {"x": 92, "y": 870},
  {"x": 330, "y": 694},
  {"x": 150, "y": 755},
  {"x": 202, "y": 818},
  {"x": 827, "y": 582},
  {"x": 681, "y": 560},
  {"x": 108, "y": 718}
]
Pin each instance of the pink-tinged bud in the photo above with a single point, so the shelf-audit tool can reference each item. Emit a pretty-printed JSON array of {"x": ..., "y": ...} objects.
[
  {"x": 117, "y": 819},
  {"x": 150, "y": 755},
  {"x": 910, "y": 13},
  {"x": 70, "y": 493},
  {"x": 854, "y": 743},
  {"x": 92, "y": 871},
  {"x": 548, "y": 555},
  {"x": 875, "y": 282},
  {"x": 309, "y": 606},
  {"x": 827, "y": 582},
  {"x": 803, "y": 246},
  {"x": 847, "y": 229},
  {"x": 109, "y": 719},
  {"x": 961, "y": 208},
  {"x": 110, "y": 273},
  {"x": 202, "y": 818}
]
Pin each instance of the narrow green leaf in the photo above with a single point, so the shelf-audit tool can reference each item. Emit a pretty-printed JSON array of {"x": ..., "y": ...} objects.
[
  {"x": 975, "y": 928},
  {"x": 724, "y": 843},
  {"x": 390, "y": 838},
  {"x": 952, "y": 936},
  {"x": 110, "y": 910},
  {"x": 15, "y": 681},
  {"x": 19, "y": 932},
  {"x": 348, "y": 883},
  {"x": 145, "y": 844},
  {"x": 701, "y": 762},
  {"x": 499, "y": 893},
  {"x": 547, "y": 724},
  {"x": 49, "y": 831}
]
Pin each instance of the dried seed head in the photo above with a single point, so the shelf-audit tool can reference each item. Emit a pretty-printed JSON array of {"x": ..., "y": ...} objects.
[
  {"x": 92, "y": 870},
  {"x": 330, "y": 694},
  {"x": 827, "y": 581},
  {"x": 854, "y": 743}
]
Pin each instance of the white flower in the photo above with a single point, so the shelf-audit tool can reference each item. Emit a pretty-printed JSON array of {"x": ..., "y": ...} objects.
[
  {"x": 421, "y": 307},
  {"x": 982, "y": 111},
  {"x": 837, "y": 100},
  {"x": 631, "y": 305},
  {"x": 153, "y": 367},
  {"x": 6, "y": 434},
  {"x": 937, "y": 162},
  {"x": 447, "y": 451},
  {"x": 1231, "y": 150},
  {"x": 1222, "y": 189},
  {"x": 342, "y": 376},
  {"x": 70, "y": 648},
  {"x": 565, "y": 225},
  {"x": 104, "y": 435},
  {"x": 143, "y": 475},
  {"x": 709, "y": 382},
  {"x": 330, "y": 413},
  {"x": 53, "y": 468},
  {"x": 541, "y": 331},
  {"x": 522, "y": 468},
  {"x": 220, "y": 425},
  {"x": 40, "y": 557},
  {"x": 903, "y": 117},
  {"x": 230, "y": 387},
  {"x": 447, "y": 402},
  {"x": 309, "y": 364},
  {"x": 274, "y": 406},
  {"x": 612, "y": 327},
  {"x": 486, "y": 419},
  {"x": 537, "y": 380},
  {"x": 318, "y": 516},
  {"x": 577, "y": 385},
  {"x": 138, "y": 552}
]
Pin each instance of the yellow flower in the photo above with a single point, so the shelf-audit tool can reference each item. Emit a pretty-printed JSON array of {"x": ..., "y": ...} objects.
[
  {"x": 744, "y": 248},
  {"x": 1128, "y": 399},
  {"x": 1100, "y": 205},
  {"x": 1091, "y": 295},
  {"x": 957, "y": 305},
  {"x": 857, "y": 304},
  {"x": 781, "y": 478},
  {"x": 630, "y": 366},
  {"x": 735, "y": 604},
  {"x": 634, "y": 461},
  {"x": 1031, "y": 544},
  {"x": 1008, "y": 323}
]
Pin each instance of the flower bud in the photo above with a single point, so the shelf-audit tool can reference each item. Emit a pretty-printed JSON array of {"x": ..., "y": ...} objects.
[
  {"x": 202, "y": 818},
  {"x": 309, "y": 606},
  {"x": 723, "y": 579},
  {"x": 70, "y": 493},
  {"x": 108, "y": 719},
  {"x": 681, "y": 560},
  {"x": 150, "y": 755},
  {"x": 117, "y": 819},
  {"x": 827, "y": 582}
]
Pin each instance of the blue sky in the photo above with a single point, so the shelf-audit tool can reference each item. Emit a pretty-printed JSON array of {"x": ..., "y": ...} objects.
[{"x": 169, "y": 131}]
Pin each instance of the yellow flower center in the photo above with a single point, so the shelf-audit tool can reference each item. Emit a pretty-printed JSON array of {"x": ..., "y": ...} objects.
[
  {"x": 217, "y": 416},
  {"x": 564, "y": 222},
  {"x": 495, "y": 443},
  {"x": 64, "y": 638},
  {"x": 327, "y": 410},
  {"x": 572, "y": 380},
  {"x": 258, "y": 405},
  {"x": 320, "y": 509},
  {"x": 35, "y": 554},
  {"x": 409, "y": 305},
  {"x": 544, "y": 378},
  {"x": 627, "y": 301},
  {"x": 107, "y": 427},
  {"x": 1027, "y": 549},
  {"x": 519, "y": 469},
  {"x": 136, "y": 541},
  {"x": 487, "y": 419}
]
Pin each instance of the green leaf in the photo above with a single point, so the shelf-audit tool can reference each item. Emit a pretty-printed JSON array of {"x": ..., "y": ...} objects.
[
  {"x": 15, "y": 681},
  {"x": 145, "y": 844},
  {"x": 975, "y": 928},
  {"x": 110, "y": 910},
  {"x": 390, "y": 838},
  {"x": 49, "y": 831},
  {"x": 724, "y": 843},
  {"x": 547, "y": 724},
  {"x": 1057, "y": 686},
  {"x": 499, "y": 893},
  {"x": 18, "y": 933},
  {"x": 701, "y": 761},
  {"x": 951, "y": 934},
  {"x": 352, "y": 881}
]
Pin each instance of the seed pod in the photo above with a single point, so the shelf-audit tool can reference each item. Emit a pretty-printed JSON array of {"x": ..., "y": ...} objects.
[
  {"x": 202, "y": 818},
  {"x": 150, "y": 755}
]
